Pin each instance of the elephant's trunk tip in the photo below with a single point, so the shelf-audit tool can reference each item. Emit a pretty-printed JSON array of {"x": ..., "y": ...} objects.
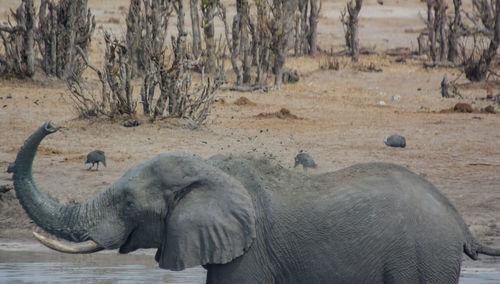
[{"x": 49, "y": 127}]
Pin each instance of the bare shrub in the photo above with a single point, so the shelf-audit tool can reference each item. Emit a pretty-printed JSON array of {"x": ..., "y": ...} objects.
[
  {"x": 147, "y": 23},
  {"x": 349, "y": 19},
  {"x": 115, "y": 98},
  {"x": 329, "y": 63},
  {"x": 456, "y": 31},
  {"x": 306, "y": 25},
  {"x": 437, "y": 32},
  {"x": 195, "y": 27},
  {"x": 208, "y": 9},
  {"x": 478, "y": 63},
  {"x": 238, "y": 39},
  {"x": 280, "y": 26},
  {"x": 63, "y": 29},
  {"x": 178, "y": 96},
  {"x": 263, "y": 40},
  {"x": 19, "y": 42}
]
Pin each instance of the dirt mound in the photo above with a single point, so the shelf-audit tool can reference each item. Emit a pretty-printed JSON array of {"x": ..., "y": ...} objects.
[
  {"x": 459, "y": 107},
  {"x": 283, "y": 113},
  {"x": 6, "y": 188},
  {"x": 489, "y": 109},
  {"x": 244, "y": 101},
  {"x": 463, "y": 107}
]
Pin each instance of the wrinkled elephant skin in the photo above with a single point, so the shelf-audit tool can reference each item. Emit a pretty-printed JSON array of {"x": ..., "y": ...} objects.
[{"x": 249, "y": 220}]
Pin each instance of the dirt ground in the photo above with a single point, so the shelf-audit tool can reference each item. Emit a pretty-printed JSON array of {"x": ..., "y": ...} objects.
[{"x": 343, "y": 117}]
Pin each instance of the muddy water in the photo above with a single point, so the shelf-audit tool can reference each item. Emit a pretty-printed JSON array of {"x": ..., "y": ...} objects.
[{"x": 31, "y": 263}]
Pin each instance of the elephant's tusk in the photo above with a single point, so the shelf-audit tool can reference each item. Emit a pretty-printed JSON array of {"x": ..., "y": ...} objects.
[{"x": 83, "y": 247}]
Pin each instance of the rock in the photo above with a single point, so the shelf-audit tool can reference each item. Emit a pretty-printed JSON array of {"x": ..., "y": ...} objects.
[
  {"x": 290, "y": 76},
  {"x": 6, "y": 188},
  {"x": 131, "y": 123},
  {"x": 489, "y": 109}
]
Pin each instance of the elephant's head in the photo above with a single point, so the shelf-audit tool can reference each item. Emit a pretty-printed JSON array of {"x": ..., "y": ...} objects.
[{"x": 194, "y": 213}]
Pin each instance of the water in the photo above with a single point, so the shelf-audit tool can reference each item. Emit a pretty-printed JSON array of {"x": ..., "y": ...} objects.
[
  {"x": 484, "y": 271},
  {"x": 32, "y": 263}
]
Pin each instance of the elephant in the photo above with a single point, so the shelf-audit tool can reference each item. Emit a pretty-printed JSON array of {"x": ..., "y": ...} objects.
[{"x": 251, "y": 220}]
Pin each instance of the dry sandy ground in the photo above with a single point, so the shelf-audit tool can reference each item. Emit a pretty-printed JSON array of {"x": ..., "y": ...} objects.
[{"x": 340, "y": 123}]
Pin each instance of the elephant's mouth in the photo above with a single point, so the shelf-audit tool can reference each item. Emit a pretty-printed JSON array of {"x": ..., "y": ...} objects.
[
  {"x": 83, "y": 247},
  {"x": 128, "y": 245}
]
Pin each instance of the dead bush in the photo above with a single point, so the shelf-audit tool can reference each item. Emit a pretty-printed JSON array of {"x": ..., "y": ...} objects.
[
  {"x": 329, "y": 63},
  {"x": 116, "y": 91},
  {"x": 18, "y": 40},
  {"x": 178, "y": 96},
  {"x": 65, "y": 29}
]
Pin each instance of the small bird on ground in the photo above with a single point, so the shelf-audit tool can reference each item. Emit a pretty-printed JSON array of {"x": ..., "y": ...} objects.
[
  {"x": 95, "y": 157},
  {"x": 305, "y": 160},
  {"x": 395, "y": 141},
  {"x": 10, "y": 168}
]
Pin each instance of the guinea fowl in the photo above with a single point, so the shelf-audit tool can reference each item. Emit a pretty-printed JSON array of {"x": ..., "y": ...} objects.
[
  {"x": 395, "y": 141},
  {"x": 305, "y": 160},
  {"x": 95, "y": 157}
]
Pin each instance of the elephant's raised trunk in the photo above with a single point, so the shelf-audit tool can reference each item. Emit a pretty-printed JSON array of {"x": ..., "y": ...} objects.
[{"x": 68, "y": 222}]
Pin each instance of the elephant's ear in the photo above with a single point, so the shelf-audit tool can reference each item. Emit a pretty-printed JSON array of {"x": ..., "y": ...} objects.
[{"x": 213, "y": 223}]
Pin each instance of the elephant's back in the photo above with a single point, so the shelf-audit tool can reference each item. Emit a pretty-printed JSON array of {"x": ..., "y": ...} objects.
[
  {"x": 377, "y": 217},
  {"x": 384, "y": 188},
  {"x": 373, "y": 217}
]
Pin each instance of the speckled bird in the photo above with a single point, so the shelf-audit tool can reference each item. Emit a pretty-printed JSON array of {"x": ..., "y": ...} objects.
[
  {"x": 395, "y": 141},
  {"x": 305, "y": 160},
  {"x": 95, "y": 157}
]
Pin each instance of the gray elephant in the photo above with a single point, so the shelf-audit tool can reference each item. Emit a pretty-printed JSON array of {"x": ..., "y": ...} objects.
[{"x": 250, "y": 220}]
